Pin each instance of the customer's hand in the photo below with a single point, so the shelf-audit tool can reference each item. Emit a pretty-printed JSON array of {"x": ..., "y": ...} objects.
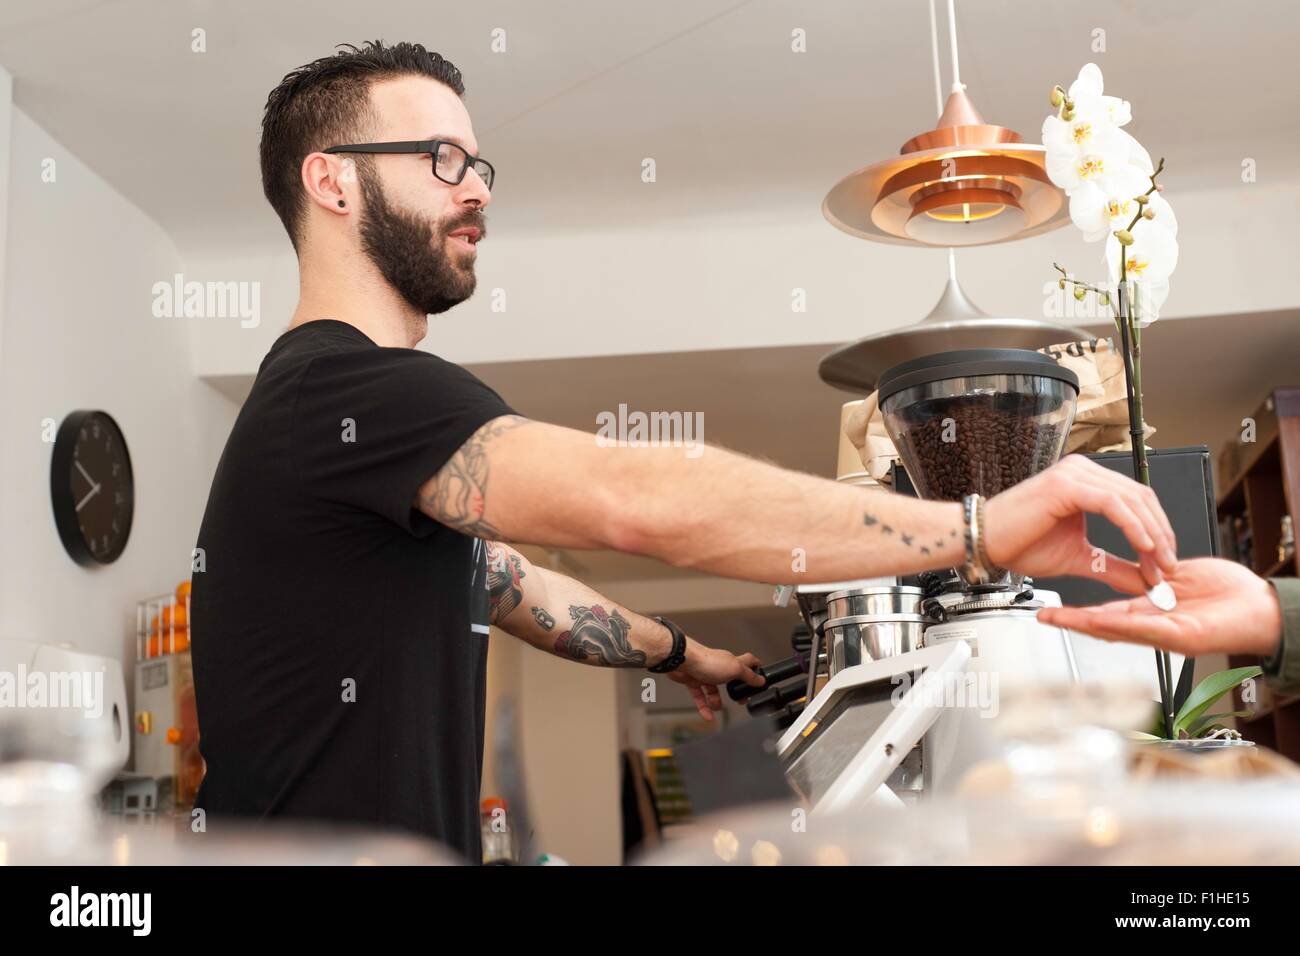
[
  {"x": 707, "y": 667},
  {"x": 1037, "y": 526},
  {"x": 1222, "y": 608}
]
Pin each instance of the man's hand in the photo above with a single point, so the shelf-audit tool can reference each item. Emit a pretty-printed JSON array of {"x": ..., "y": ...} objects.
[
  {"x": 1037, "y": 527},
  {"x": 561, "y": 616},
  {"x": 707, "y": 667},
  {"x": 1222, "y": 608}
]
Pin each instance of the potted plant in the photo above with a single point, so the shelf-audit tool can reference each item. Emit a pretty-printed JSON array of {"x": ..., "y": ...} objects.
[
  {"x": 1193, "y": 724},
  {"x": 1115, "y": 197}
]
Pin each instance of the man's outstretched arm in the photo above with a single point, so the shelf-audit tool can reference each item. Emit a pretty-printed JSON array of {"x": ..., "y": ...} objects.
[
  {"x": 559, "y": 615},
  {"x": 723, "y": 513}
]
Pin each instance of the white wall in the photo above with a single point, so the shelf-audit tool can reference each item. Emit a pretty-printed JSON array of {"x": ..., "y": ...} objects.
[
  {"x": 6, "y": 125},
  {"x": 567, "y": 718},
  {"x": 719, "y": 283},
  {"x": 78, "y": 332}
]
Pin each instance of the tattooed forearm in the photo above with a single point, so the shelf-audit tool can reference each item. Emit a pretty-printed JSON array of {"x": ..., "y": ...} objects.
[
  {"x": 601, "y": 636},
  {"x": 504, "y": 576},
  {"x": 544, "y": 620},
  {"x": 457, "y": 495}
]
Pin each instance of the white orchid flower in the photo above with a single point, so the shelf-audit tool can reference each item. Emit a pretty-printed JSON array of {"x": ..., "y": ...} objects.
[
  {"x": 1087, "y": 131},
  {"x": 1151, "y": 258},
  {"x": 1070, "y": 169},
  {"x": 1100, "y": 206},
  {"x": 1086, "y": 91},
  {"x": 1088, "y": 83},
  {"x": 1103, "y": 170},
  {"x": 1085, "y": 148}
]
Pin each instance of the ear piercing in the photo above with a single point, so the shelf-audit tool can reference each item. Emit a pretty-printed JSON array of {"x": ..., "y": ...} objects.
[{"x": 342, "y": 204}]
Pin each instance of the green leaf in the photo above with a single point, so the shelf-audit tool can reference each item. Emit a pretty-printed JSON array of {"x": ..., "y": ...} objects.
[
  {"x": 1156, "y": 725},
  {"x": 1201, "y": 724},
  {"x": 1209, "y": 690}
]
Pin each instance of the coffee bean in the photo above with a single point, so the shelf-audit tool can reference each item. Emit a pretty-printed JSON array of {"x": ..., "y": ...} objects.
[{"x": 996, "y": 443}]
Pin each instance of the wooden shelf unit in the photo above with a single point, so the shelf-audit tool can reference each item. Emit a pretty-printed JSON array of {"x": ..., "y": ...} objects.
[{"x": 1266, "y": 487}]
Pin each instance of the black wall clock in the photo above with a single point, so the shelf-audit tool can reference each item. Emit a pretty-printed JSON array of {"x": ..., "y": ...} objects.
[{"x": 92, "y": 488}]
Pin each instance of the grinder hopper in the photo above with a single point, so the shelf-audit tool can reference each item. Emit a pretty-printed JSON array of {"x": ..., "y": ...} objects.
[{"x": 977, "y": 421}]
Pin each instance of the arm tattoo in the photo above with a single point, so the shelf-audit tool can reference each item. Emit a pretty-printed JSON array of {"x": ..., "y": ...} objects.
[
  {"x": 458, "y": 494},
  {"x": 544, "y": 620},
  {"x": 909, "y": 541},
  {"x": 600, "y": 635},
  {"x": 504, "y": 573}
]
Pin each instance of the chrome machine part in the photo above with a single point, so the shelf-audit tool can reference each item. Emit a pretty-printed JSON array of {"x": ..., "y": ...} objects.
[
  {"x": 852, "y": 602},
  {"x": 864, "y": 638}
]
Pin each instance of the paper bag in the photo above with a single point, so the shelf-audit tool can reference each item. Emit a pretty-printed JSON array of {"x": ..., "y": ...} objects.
[{"x": 1101, "y": 415}]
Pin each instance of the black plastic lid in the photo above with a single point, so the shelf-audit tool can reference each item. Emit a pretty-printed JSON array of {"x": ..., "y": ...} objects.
[{"x": 946, "y": 365}]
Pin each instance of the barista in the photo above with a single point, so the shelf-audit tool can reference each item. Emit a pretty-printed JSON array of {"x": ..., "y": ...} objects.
[{"x": 389, "y": 490}]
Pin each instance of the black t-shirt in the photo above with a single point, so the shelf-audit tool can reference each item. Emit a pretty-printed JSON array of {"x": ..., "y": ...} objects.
[{"x": 339, "y": 635}]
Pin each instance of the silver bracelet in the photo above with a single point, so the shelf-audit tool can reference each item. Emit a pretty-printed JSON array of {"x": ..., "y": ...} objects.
[{"x": 977, "y": 569}]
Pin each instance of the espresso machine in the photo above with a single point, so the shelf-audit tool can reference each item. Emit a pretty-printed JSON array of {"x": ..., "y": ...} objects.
[{"x": 905, "y": 678}]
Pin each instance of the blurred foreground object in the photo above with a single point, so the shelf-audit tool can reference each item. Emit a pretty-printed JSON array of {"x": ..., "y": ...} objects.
[{"x": 1165, "y": 824}]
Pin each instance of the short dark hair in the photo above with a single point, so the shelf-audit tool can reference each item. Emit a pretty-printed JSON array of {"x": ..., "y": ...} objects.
[{"x": 327, "y": 103}]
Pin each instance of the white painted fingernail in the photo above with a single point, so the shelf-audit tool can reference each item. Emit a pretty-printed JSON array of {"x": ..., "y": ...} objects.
[{"x": 1162, "y": 596}]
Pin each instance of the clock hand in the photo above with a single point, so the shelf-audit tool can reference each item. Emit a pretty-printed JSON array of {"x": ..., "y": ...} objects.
[
  {"x": 85, "y": 474},
  {"x": 93, "y": 491}
]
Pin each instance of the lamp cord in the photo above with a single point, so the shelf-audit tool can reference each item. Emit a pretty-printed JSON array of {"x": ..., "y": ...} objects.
[
  {"x": 934, "y": 55},
  {"x": 957, "y": 84},
  {"x": 938, "y": 88}
]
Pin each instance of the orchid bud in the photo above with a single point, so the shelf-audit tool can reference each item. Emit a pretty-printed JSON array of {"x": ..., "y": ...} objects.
[
  {"x": 1057, "y": 96},
  {"x": 1060, "y": 284},
  {"x": 1124, "y": 236},
  {"x": 1104, "y": 298},
  {"x": 1142, "y": 200},
  {"x": 1148, "y": 213},
  {"x": 1067, "y": 114},
  {"x": 1080, "y": 292}
]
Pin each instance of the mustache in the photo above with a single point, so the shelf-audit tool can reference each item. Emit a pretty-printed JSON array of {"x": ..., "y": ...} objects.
[{"x": 473, "y": 218}]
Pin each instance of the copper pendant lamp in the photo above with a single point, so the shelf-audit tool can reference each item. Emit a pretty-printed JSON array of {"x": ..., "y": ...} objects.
[{"x": 965, "y": 182}]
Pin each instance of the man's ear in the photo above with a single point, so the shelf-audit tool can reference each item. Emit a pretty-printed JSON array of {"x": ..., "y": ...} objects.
[{"x": 329, "y": 181}]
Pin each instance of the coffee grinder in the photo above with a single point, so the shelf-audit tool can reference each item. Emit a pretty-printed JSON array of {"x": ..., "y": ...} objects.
[
  {"x": 983, "y": 670},
  {"x": 978, "y": 421}
]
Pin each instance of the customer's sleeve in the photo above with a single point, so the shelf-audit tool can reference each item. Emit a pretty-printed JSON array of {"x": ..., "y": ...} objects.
[
  {"x": 369, "y": 428},
  {"x": 1283, "y": 669}
]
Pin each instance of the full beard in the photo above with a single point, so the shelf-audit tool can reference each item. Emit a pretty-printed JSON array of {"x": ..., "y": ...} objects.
[{"x": 402, "y": 248}]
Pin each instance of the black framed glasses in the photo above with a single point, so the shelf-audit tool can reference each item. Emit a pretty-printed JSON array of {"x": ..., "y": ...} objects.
[{"x": 450, "y": 160}]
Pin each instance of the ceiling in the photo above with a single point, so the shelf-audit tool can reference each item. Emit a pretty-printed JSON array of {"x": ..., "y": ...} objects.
[{"x": 738, "y": 125}]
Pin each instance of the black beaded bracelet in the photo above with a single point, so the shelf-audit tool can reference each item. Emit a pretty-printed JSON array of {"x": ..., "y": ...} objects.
[{"x": 677, "y": 655}]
